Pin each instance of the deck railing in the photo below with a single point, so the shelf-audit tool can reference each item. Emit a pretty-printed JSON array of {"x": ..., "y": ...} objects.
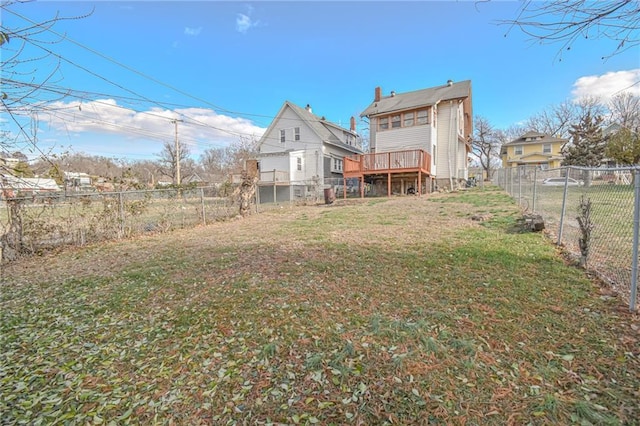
[
  {"x": 274, "y": 176},
  {"x": 395, "y": 161}
]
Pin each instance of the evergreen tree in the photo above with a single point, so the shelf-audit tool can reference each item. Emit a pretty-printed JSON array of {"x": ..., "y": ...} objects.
[{"x": 587, "y": 145}]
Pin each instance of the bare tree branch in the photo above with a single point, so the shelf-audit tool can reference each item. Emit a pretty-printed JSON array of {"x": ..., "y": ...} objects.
[{"x": 564, "y": 22}]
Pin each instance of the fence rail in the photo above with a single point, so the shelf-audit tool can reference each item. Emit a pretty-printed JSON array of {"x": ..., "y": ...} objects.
[
  {"x": 591, "y": 212},
  {"x": 41, "y": 222}
]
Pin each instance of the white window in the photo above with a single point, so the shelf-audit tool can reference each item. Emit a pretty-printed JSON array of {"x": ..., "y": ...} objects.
[
  {"x": 348, "y": 138},
  {"x": 408, "y": 119},
  {"x": 517, "y": 150},
  {"x": 296, "y": 134},
  {"x": 422, "y": 116},
  {"x": 546, "y": 148},
  {"x": 395, "y": 121},
  {"x": 337, "y": 165},
  {"x": 299, "y": 160},
  {"x": 282, "y": 136}
]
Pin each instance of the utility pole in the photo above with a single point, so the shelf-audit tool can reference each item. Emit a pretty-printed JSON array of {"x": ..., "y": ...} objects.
[{"x": 178, "y": 181}]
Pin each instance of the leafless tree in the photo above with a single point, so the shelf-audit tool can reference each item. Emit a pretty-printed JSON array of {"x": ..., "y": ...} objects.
[
  {"x": 168, "y": 166},
  {"x": 217, "y": 163},
  {"x": 557, "y": 119},
  {"x": 26, "y": 83},
  {"x": 485, "y": 146},
  {"x": 625, "y": 110},
  {"x": 554, "y": 121},
  {"x": 565, "y": 22}
]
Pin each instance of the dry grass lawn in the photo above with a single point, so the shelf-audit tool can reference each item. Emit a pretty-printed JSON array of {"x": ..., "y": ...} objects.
[{"x": 383, "y": 311}]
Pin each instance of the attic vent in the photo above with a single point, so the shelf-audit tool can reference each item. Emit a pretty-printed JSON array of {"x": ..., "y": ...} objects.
[
  {"x": 308, "y": 107},
  {"x": 449, "y": 82},
  {"x": 393, "y": 93}
]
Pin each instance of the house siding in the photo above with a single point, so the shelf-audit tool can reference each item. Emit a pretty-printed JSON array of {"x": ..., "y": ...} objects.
[
  {"x": 415, "y": 137},
  {"x": 269, "y": 164},
  {"x": 443, "y": 165},
  {"x": 288, "y": 121}
]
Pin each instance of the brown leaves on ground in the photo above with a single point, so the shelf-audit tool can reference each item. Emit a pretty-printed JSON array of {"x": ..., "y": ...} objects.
[{"x": 383, "y": 311}]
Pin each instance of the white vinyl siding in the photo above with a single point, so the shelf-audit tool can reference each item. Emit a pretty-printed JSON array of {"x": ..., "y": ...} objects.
[
  {"x": 446, "y": 161},
  {"x": 289, "y": 121},
  {"x": 416, "y": 137}
]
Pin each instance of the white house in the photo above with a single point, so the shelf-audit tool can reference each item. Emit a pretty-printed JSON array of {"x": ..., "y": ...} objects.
[
  {"x": 13, "y": 186},
  {"x": 437, "y": 121},
  {"x": 301, "y": 154}
]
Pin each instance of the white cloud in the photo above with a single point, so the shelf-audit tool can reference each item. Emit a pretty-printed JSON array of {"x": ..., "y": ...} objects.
[
  {"x": 192, "y": 31},
  {"x": 244, "y": 23},
  {"x": 200, "y": 128},
  {"x": 607, "y": 85}
]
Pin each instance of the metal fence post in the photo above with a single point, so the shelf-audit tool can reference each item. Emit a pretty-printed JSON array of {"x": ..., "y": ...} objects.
[
  {"x": 121, "y": 211},
  {"x": 511, "y": 191},
  {"x": 636, "y": 226},
  {"x": 204, "y": 217},
  {"x": 520, "y": 168},
  {"x": 535, "y": 182},
  {"x": 564, "y": 205}
]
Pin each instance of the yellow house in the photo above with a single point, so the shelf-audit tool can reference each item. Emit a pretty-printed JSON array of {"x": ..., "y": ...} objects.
[{"x": 533, "y": 149}]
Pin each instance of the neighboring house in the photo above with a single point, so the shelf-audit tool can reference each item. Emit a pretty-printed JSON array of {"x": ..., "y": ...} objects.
[
  {"x": 432, "y": 126},
  {"x": 77, "y": 181},
  {"x": 8, "y": 163},
  {"x": 533, "y": 149},
  {"x": 300, "y": 154},
  {"x": 12, "y": 186}
]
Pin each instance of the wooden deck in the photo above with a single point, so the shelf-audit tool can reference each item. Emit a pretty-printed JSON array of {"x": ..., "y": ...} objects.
[{"x": 393, "y": 166}]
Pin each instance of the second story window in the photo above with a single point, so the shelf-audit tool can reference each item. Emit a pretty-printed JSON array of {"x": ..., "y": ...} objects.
[
  {"x": 422, "y": 116},
  {"x": 384, "y": 123},
  {"x": 395, "y": 121},
  {"x": 546, "y": 148},
  {"x": 282, "y": 136},
  {"x": 408, "y": 119},
  {"x": 517, "y": 150},
  {"x": 296, "y": 134},
  {"x": 299, "y": 163}
]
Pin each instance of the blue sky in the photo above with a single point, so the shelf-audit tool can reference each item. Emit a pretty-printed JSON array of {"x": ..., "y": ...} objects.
[{"x": 226, "y": 68}]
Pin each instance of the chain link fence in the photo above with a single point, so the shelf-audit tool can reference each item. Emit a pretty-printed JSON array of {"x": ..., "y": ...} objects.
[
  {"x": 591, "y": 212},
  {"x": 44, "y": 221}
]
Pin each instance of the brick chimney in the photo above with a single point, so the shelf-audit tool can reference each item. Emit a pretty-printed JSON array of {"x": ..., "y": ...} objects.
[
  {"x": 378, "y": 94},
  {"x": 352, "y": 123}
]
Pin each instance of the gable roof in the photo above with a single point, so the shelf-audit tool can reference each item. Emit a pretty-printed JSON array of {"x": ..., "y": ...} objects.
[
  {"x": 537, "y": 138},
  {"x": 419, "y": 98},
  {"x": 325, "y": 130},
  {"x": 28, "y": 184}
]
